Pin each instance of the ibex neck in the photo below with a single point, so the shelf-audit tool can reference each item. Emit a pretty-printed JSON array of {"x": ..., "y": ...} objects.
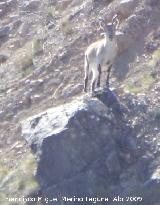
[
  {"x": 106, "y": 38},
  {"x": 109, "y": 38}
]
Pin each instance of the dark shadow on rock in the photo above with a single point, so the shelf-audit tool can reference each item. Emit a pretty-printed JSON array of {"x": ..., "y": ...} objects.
[{"x": 110, "y": 99}]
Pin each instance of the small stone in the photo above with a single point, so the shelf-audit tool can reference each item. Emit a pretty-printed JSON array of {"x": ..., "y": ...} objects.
[
  {"x": 30, "y": 5},
  {"x": 24, "y": 29},
  {"x": 4, "y": 31},
  {"x": 3, "y": 58}
]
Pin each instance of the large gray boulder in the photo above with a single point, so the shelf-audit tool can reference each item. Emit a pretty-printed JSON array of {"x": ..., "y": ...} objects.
[
  {"x": 81, "y": 147},
  {"x": 85, "y": 148}
]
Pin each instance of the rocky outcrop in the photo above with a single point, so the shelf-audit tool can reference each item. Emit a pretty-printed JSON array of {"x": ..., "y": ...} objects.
[
  {"x": 82, "y": 147},
  {"x": 86, "y": 148}
]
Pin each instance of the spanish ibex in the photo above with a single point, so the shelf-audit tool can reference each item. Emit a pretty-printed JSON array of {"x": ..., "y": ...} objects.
[{"x": 100, "y": 53}]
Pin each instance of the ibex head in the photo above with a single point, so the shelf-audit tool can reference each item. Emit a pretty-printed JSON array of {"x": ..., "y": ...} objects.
[{"x": 110, "y": 28}]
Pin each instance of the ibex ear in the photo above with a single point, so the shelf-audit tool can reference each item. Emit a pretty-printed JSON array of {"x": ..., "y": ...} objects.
[{"x": 102, "y": 25}]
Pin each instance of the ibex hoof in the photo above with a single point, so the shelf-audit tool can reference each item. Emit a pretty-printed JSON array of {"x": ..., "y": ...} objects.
[
  {"x": 107, "y": 85},
  {"x": 93, "y": 94}
]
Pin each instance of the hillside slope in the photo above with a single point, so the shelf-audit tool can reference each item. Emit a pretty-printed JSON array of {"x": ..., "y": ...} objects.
[{"x": 42, "y": 47}]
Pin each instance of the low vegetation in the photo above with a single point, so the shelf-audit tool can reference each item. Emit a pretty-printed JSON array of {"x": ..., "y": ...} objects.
[
  {"x": 18, "y": 180},
  {"x": 23, "y": 58},
  {"x": 155, "y": 59},
  {"x": 66, "y": 26},
  {"x": 140, "y": 84},
  {"x": 155, "y": 114}
]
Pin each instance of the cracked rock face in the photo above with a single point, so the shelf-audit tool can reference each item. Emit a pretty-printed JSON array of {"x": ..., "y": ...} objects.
[{"x": 80, "y": 147}]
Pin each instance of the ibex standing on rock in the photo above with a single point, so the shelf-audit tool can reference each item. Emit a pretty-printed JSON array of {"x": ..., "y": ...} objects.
[{"x": 102, "y": 52}]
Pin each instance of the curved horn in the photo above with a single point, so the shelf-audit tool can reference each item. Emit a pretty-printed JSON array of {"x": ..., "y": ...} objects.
[
  {"x": 114, "y": 17},
  {"x": 115, "y": 20}
]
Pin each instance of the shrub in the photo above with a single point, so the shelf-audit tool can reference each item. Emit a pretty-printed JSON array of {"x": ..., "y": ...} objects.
[
  {"x": 156, "y": 114},
  {"x": 66, "y": 26},
  {"x": 37, "y": 46}
]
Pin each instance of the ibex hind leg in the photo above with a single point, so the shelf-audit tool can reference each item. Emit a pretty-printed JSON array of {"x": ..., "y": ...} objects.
[
  {"x": 85, "y": 83},
  {"x": 108, "y": 75},
  {"x": 86, "y": 70},
  {"x": 99, "y": 76}
]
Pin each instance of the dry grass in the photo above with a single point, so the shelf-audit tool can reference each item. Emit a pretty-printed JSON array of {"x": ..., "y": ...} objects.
[
  {"x": 37, "y": 46},
  {"x": 59, "y": 8},
  {"x": 155, "y": 59},
  {"x": 62, "y": 5},
  {"x": 141, "y": 84},
  {"x": 23, "y": 57},
  {"x": 19, "y": 181},
  {"x": 66, "y": 26},
  {"x": 52, "y": 11}
]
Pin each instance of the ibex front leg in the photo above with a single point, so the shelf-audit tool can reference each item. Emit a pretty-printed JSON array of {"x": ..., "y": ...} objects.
[
  {"x": 95, "y": 76},
  {"x": 108, "y": 75}
]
